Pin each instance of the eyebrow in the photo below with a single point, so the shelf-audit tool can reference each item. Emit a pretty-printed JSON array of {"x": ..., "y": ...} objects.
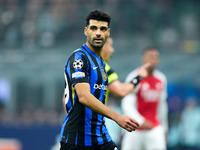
[
  {"x": 93, "y": 26},
  {"x": 100, "y": 26}
]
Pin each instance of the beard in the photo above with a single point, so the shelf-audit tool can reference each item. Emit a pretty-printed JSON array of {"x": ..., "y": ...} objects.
[{"x": 95, "y": 45}]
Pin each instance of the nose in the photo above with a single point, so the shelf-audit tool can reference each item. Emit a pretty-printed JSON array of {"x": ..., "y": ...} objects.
[{"x": 98, "y": 33}]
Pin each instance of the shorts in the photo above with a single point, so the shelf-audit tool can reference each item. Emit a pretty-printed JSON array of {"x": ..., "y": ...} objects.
[
  {"x": 108, "y": 146},
  {"x": 153, "y": 139}
]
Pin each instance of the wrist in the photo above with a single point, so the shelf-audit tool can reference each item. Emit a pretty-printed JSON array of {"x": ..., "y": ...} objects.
[{"x": 136, "y": 80}]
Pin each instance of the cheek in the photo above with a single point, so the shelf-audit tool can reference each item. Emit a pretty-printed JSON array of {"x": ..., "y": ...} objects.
[
  {"x": 106, "y": 53},
  {"x": 110, "y": 52},
  {"x": 89, "y": 36},
  {"x": 106, "y": 34}
]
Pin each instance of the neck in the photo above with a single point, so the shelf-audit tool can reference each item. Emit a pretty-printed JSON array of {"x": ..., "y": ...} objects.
[
  {"x": 150, "y": 71},
  {"x": 96, "y": 50}
]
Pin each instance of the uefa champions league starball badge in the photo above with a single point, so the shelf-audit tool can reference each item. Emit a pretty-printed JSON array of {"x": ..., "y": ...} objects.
[{"x": 78, "y": 64}]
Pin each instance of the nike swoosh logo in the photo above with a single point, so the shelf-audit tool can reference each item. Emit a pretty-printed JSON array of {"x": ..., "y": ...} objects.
[{"x": 95, "y": 67}]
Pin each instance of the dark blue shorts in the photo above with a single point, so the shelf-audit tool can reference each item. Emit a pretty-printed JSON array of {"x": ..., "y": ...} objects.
[{"x": 108, "y": 146}]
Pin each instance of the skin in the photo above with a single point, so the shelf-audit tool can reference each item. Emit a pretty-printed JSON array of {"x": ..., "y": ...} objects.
[
  {"x": 118, "y": 88},
  {"x": 107, "y": 49},
  {"x": 151, "y": 56},
  {"x": 97, "y": 33}
]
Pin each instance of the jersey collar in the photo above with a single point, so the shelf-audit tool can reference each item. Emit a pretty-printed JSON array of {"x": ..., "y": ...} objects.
[{"x": 91, "y": 52}]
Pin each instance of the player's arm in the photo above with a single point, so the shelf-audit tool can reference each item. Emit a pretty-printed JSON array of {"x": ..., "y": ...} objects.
[
  {"x": 122, "y": 89},
  {"x": 141, "y": 71},
  {"x": 87, "y": 99}
]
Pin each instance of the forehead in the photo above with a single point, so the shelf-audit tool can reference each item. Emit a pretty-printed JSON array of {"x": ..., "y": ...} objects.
[
  {"x": 151, "y": 52},
  {"x": 98, "y": 23}
]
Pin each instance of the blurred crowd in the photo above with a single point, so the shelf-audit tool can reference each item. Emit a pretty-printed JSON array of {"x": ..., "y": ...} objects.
[
  {"x": 184, "y": 121},
  {"x": 32, "y": 24},
  {"x": 29, "y": 117},
  {"x": 185, "y": 126}
]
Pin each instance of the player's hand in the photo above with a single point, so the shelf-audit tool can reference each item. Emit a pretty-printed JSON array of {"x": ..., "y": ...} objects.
[
  {"x": 142, "y": 71},
  {"x": 127, "y": 123},
  {"x": 147, "y": 125}
]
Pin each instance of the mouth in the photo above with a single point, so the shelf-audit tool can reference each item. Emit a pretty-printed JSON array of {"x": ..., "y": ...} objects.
[{"x": 98, "y": 40}]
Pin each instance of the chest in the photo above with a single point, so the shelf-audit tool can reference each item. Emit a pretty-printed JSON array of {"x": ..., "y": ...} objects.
[
  {"x": 98, "y": 75},
  {"x": 150, "y": 89}
]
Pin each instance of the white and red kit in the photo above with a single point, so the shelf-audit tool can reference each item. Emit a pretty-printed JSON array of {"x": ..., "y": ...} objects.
[{"x": 147, "y": 102}]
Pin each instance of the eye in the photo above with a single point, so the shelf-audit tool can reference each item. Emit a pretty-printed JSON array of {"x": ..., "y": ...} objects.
[
  {"x": 104, "y": 28},
  {"x": 93, "y": 28}
]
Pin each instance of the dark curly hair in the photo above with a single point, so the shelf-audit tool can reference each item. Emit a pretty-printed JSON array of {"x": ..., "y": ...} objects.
[{"x": 98, "y": 15}]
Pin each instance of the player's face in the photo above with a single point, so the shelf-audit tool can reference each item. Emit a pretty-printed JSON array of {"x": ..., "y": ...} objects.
[
  {"x": 97, "y": 33},
  {"x": 151, "y": 56},
  {"x": 107, "y": 50}
]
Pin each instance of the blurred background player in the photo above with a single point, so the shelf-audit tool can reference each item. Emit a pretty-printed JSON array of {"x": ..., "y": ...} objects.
[{"x": 147, "y": 104}]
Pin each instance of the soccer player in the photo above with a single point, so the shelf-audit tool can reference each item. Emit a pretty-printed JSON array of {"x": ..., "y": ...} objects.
[
  {"x": 86, "y": 85},
  {"x": 147, "y": 104}
]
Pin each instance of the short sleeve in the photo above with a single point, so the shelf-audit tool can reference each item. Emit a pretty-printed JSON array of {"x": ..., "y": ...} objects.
[
  {"x": 112, "y": 76},
  {"x": 78, "y": 68}
]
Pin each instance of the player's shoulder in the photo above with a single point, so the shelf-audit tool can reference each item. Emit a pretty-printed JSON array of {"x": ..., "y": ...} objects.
[
  {"x": 132, "y": 74},
  {"x": 107, "y": 66},
  {"x": 159, "y": 74},
  {"x": 78, "y": 53}
]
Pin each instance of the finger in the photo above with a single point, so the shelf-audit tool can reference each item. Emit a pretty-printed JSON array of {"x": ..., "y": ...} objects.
[
  {"x": 135, "y": 122},
  {"x": 129, "y": 129},
  {"x": 146, "y": 65},
  {"x": 132, "y": 126}
]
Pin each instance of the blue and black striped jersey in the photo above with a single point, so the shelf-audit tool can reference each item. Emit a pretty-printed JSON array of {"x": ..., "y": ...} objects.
[{"x": 82, "y": 126}]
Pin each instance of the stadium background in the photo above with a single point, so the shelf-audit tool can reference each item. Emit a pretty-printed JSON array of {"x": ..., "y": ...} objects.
[{"x": 37, "y": 36}]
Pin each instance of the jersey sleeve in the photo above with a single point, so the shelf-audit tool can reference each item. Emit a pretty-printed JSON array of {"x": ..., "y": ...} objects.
[
  {"x": 129, "y": 108},
  {"x": 129, "y": 102},
  {"x": 131, "y": 75},
  {"x": 77, "y": 68},
  {"x": 112, "y": 76},
  {"x": 163, "y": 107}
]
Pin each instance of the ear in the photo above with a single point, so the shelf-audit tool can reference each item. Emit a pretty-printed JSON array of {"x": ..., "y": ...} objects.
[
  {"x": 85, "y": 31},
  {"x": 108, "y": 32}
]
